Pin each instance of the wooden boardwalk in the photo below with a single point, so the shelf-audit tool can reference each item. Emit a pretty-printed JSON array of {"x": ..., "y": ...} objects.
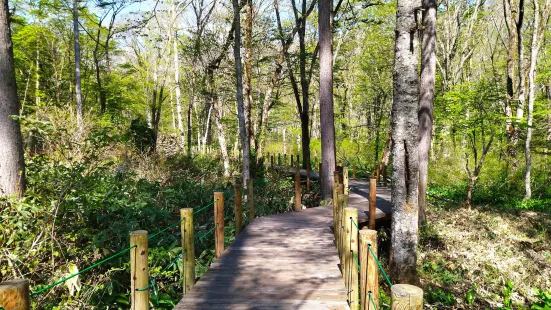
[{"x": 284, "y": 261}]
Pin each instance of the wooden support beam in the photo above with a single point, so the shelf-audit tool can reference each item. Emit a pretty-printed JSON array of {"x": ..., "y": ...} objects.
[
  {"x": 279, "y": 159},
  {"x": 238, "y": 209},
  {"x": 345, "y": 179},
  {"x": 369, "y": 273},
  {"x": 250, "y": 199},
  {"x": 372, "y": 203},
  {"x": 218, "y": 224},
  {"x": 298, "y": 202},
  {"x": 406, "y": 297},
  {"x": 188, "y": 248},
  {"x": 139, "y": 271},
  {"x": 14, "y": 295},
  {"x": 350, "y": 253},
  {"x": 336, "y": 213}
]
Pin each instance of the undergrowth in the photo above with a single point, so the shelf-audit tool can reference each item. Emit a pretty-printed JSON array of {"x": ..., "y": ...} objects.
[{"x": 80, "y": 207}]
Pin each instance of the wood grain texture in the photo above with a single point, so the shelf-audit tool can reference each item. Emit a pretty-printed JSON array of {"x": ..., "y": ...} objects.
[
  {"x": 188, "y": 258},
  {"x": 139, "y": 270},
  {"x": 406, "y": 297},
  {"x": 283, "y": 261},
  {"x": 14, "y": 295},
  {"x": 238, "y": 209},
  {"x": 219, "y": 224}
]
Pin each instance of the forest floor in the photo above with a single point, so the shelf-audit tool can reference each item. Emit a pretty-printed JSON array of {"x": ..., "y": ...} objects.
[{"x": 484, "y": 257}]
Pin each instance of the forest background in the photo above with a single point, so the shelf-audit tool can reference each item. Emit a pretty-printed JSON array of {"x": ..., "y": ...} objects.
[{"x": 153, "y": 127}]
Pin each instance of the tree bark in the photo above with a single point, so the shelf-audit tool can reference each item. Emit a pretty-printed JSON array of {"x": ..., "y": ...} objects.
[
  {"x": 327, "y": 121},
  {"x": 405, "y": 160},
  {"x": 247, "y": 74},
  {"x": 12, "y": 165},
  {"x": 222, "y": 141},
  {"x": 426, "y": 99},
  {"x": 78, "y": 88},
  {"x": 537, "y": 38},
  {"x": 245, "y": 142}
]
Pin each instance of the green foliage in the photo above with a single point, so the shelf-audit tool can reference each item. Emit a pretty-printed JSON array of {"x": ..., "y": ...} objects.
[
  {"x": 141, "y": 135},
  {"x": 543, "y": 300}
]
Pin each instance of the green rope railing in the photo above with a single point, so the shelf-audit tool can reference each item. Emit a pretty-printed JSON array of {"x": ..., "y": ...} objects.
[
  {"x": 82, "y": 271},
  {"x": 355, "y": 259},
  {"x": 152, "y": 282},
  {"x": 371, "y": 299},
  {"x": 201, "y": 237},
  {"x": 153, "y": 285},
  {"x": 166, "y": 228},
  {"x": 379, "y": 264},
  {"x": 203, "y": 208},
  {"x": 358, "y": 228}
]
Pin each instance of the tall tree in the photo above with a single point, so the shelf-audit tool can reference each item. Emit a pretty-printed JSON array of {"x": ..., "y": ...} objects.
[
  {"x": 247, "y": 76},
  {"x": 245, "y": 142},
  {"x": 12, "y": 166},
  {"x": 541, "y": 18},
  {"x": 327, "y": 122},
  {"x": 426, "y": 99},
  {"x": 78, "y": 87},
  {"x": 405, "y": 160}
]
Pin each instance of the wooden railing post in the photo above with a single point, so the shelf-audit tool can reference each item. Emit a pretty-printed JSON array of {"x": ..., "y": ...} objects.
[
  {"x": 139, "y": 270},
  {"x": 292, "y": 161},
  {"x": 350, "y": 255},
  {"x": 188, "y": 248},
  {"x": 279, "y": 159},
  {"x": 372, "y": 203},
  {"x": 369, "y": 273},
  {"x": 285, "y": 160},
  {"x": 336, "y": 214},
  {"x": 250, "y": 199},
  {"x": 406, "y": 296},
  {"x": 272, "y": 161},
  {"x": 218, "y": 224},
  {"x": 298, "y": 161},
  {"x": 238, "y": 209},
  {"x": 345, "y": 179},
  {"x": 298, "y": 202},
  {"x": 308, "y": 177},
  {"x": 341, "y": 205},
  {"x": 14, "y": 295},
  {"x": 354, "y": 170}
]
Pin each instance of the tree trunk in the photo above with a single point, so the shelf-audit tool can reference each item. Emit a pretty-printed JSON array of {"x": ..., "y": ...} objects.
[
  {"x": 245, "y": 142},
  {"x": 247, "y": 74},
  {"x": 222, "y": 141},
  {"x": 405, "y": 160},
  {"x": 189, "y": 120},
  {"x": 327, "y": 121},
  {"x": 12, "y": 165},
  {"x": 261, "y": 135},
  {"x": 176, "y": 67},
  {"x": 78, "y": 88},
  {"x": 537, "y": 38},
  {"x": 426, "y": 99}
]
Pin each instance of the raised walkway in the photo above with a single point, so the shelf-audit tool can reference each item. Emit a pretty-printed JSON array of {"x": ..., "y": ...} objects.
[{"x": 284, "y": 261}]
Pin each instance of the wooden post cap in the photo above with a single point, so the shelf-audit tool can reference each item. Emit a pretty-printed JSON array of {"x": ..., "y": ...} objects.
[
  {"x": 14, "y": 295},
  {"x": 406, "y": 296}
]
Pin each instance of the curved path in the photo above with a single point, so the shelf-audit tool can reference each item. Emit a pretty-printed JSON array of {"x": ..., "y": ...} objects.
[{"x": 284, "y": 261}]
